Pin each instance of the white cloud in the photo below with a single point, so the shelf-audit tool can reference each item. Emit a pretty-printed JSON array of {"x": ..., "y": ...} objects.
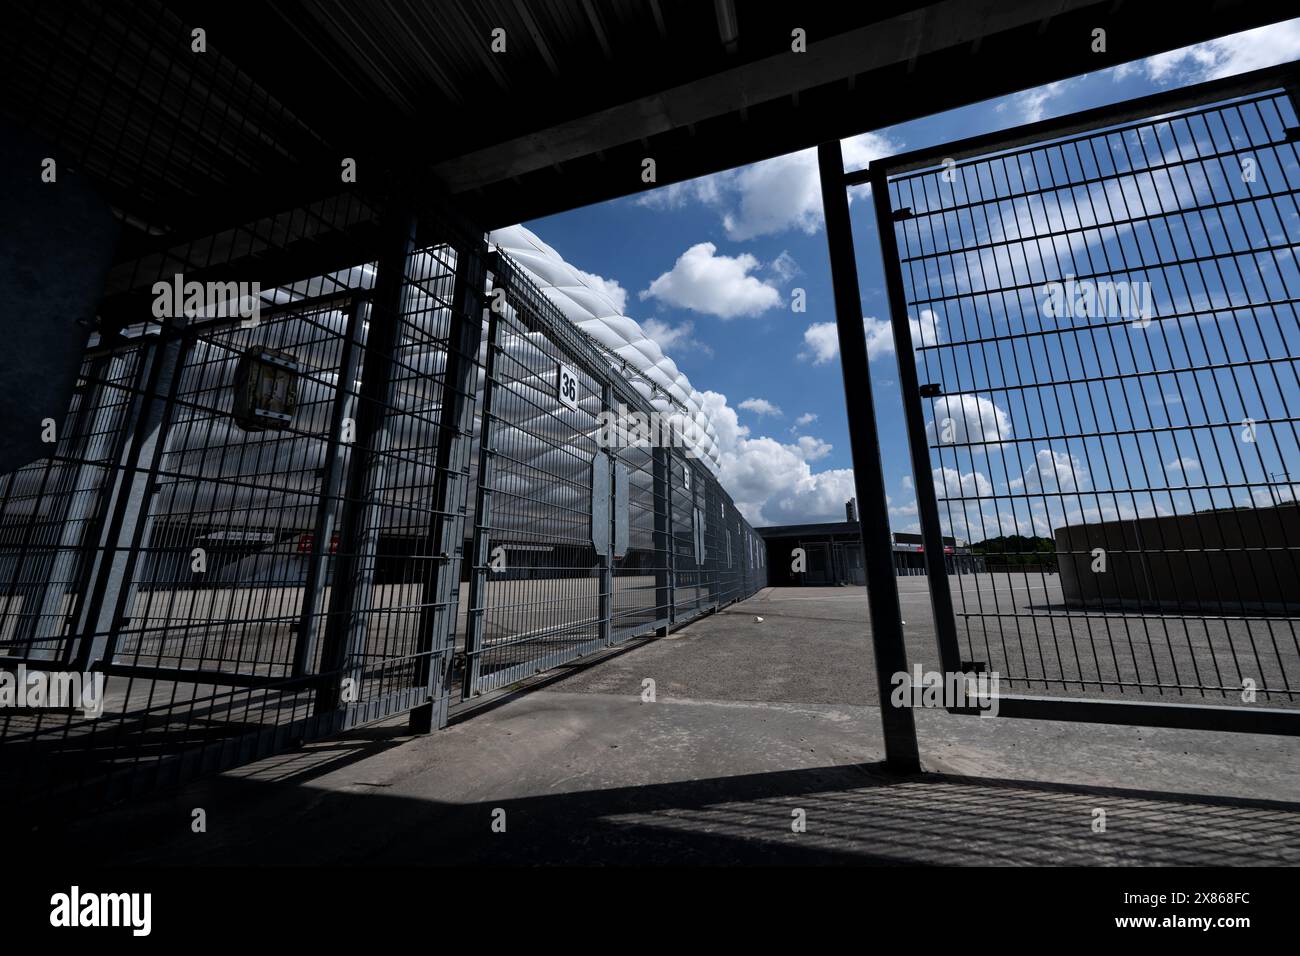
[
  {"x": 706, "y": 190},
  {"x": 760, "y": 406},
  {"x": 772, "y": 482},
  {"x": 610, "y": 287},
  {"x": 1181, "y": 470},
  {"x": 669, "y": 336},
  {"x": 705, "y": 282},
  {"x": 807, "y": 418},
  {"x": 880, "y": 337},
  {"x": 769, "y": 197},
  {"x": 1051, "y": 472},
  {"x": 785, "y": 193},
  {"x": 1226, "y": 56},
  {"x": 968, "y": 419},
  {"x": 907, "y": 510},
  {"x": 822, "y": 344},
  {"x": 775, "y": 196},
  {"x": 784, "y": 267},
  {"x": 1031, "y": 105},
  {"x": 950, "y": 483},
  {"x": 813, "y": 448},
  {"x": 907, "y": 482}
]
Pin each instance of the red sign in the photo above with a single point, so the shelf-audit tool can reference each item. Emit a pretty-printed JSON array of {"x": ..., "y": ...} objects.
[{"x": 307, "y": 539}]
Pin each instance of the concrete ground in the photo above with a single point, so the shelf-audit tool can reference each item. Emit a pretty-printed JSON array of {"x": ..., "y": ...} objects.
[{"x": 754, "y": 726}]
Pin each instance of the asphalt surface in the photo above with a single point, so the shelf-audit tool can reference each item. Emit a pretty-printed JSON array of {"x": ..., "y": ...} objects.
[{"x": 750, "y": 724}]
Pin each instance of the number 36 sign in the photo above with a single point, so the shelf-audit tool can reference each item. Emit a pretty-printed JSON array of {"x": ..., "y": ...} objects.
[{"x": 566, "y": 386}]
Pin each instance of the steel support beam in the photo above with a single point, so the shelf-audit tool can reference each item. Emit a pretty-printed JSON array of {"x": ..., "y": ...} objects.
[
  {"x": 476, "y": 610},
  {"x": 330, "y": 505},
  {"x": 663, "y": 537},
  {"x": 901, "y": 753},
  {"x": 123, "y": 538},
  {"x": 451, "y": 467},
  {"x": 348, "y": 619}
]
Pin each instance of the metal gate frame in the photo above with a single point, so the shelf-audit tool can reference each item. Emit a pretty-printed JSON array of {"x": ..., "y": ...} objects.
[
  {"x": 130, "y": 399},
  {"x": 887, "y": 632},
  {"x": 691, "y": 562}
]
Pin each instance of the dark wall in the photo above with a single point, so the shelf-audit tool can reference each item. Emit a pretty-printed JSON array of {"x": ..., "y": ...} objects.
[
  {"x": 1210, "y": 562},
  {"x": 55, "y": 249}
]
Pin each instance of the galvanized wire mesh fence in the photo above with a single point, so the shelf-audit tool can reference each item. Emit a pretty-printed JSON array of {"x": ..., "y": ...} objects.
[
  {"x": 243, "y": 574},
  {"x": 1105, "y": 339},
  {"x": 573, "y": 529}
]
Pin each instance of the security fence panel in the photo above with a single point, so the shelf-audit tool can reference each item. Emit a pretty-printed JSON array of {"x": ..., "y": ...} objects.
[
  {"x": 691, "y": 592},
  {"x": 52, "y": 511},
  {"x": 254, "y": 541},
  {"x": 541, "y": 551},
  {"x": 639, "y": 558},
  {"x": 218, "y": 580},
  {"x": 714, "y": 536},
  {"x": 394, "y": 635},
  {"x": 251, "y": 529},
  {"x": 1097, "y": 328}
]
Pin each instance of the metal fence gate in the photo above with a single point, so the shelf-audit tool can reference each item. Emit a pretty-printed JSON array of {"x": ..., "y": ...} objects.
[
  {"x": 578, "y": 543},
  {"x": 1096, "y": 325},
  {"x": 252, "y": 522}
]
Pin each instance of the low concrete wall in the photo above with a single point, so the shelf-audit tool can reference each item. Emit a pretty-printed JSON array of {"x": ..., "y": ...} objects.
[{"x": 1213, "y": 562}]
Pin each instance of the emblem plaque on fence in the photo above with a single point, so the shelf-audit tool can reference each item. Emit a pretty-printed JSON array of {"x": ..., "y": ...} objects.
[{"x": 266, "y": 390}]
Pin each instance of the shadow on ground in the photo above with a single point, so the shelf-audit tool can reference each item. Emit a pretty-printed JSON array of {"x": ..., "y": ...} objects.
[{"x": 855, "y": 814}]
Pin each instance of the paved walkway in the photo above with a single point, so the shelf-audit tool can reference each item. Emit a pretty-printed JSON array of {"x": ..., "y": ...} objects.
[{"x": 754, "y": 726}]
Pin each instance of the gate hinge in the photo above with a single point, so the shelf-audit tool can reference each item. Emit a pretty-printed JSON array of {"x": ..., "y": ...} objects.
[
  {"x": 932, "y": 390},
  {"x": 904, "y": 213}
]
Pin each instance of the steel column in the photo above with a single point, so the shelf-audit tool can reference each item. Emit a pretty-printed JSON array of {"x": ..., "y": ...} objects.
[
  {"x": 605, "y": 602},
  {"x": 901, "y": 754},
  {"x": 475, "y": 616},
  {"x": 134, "y": 488},
  {"x": 327, "y": 517},
  {"x": 665, "y": 576},
  {"x": 359, "y": 525},
  {"x": 456, "y": 421}
]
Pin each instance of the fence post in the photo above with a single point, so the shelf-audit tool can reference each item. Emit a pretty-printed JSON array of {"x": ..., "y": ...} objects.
[
  {"x": 133, "y": 490},
  {"x": 456, "y": 422},
  {"x": 901, "y": 754},
  {"x": 478, "y": 558},
  {"x": 606, "y": 600},
  {"x": 663, "y": 537},
  {"x": 94, "y": 428},
  {"x": 327, "y": 518},
  {"x": 359, "y": 526}
]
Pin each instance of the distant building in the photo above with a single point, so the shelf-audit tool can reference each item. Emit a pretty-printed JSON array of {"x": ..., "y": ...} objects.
[{"x": 833, "y": 553}]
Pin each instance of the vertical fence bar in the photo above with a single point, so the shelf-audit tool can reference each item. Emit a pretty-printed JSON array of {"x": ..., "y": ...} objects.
[
  {"x": 475, "y": 612},
  {"x": 456, "y": 422},
  {"x": 663, "y": 538},
  {"x": 901, "y": 754},
  {"x": 606, "y": 558},
  {"x": 327, "y": 517},
  {"x": 359, "y": 526},
  {"x": 137, "y": 474},
  {"x": 94, "y": 430},
  {"x": 922, "y": 476}
]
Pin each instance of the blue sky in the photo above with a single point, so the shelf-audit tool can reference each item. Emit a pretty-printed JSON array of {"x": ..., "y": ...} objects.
[{"x": 710, "y": 268}]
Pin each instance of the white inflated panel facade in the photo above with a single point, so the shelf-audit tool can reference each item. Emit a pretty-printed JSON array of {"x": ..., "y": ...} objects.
[{"x": 590, "y": 308}]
